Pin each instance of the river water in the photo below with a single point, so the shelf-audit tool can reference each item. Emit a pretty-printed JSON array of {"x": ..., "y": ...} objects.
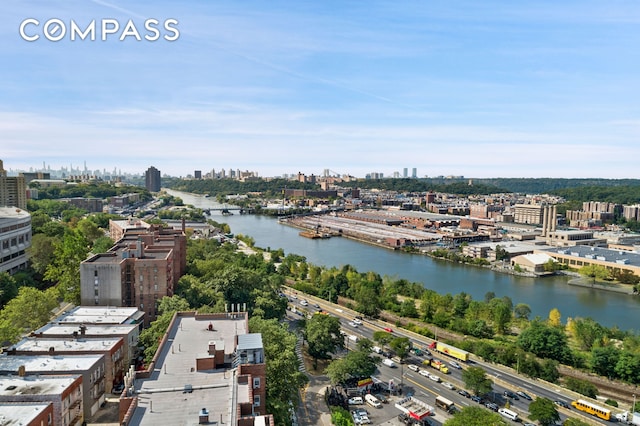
[{"x": 541, "y": 294}]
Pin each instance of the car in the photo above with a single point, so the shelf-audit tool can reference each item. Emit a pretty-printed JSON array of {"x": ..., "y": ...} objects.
[
  {"x": 524, "y": 395},
  {"x": 353, "y": 324},
  {"x": 476, "y": 398},
  {"x": 464, "y": 393},
  {"x": 388, "y": 330},
  {"x": 360, "y": 412},
  {"x": 293, "y": 296},
  {"x": 455, "y": 365},
  {"x": 361, "y": 420},
  {"x": 492, "y": 406},
  {"x": 417, "y": 351},
  {"x": 303, "y": 302},
  {"x": 356, "y": 400},
  {"x": 382, "y": 398},
  {"x": 315, "y": 305},
  {"x": 425, "y": 373},
  {"x": 448, "y": 385},
  {"x": 511, "y": 395},
  {"x": 561, "y": 404},
  {"x": 434, "y": 378},
  {"x": 117, "y": 389},
  {"x": 357, "y": 321},
  {"x": 413, "y": 367},
  {"x": 528, "y": 424}
]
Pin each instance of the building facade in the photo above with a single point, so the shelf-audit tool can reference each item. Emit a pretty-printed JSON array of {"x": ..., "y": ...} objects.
[
  {"x": 15, "y": 239},
  {"x": 152, "y": 179},
  {"x": 13, "y": 190}
]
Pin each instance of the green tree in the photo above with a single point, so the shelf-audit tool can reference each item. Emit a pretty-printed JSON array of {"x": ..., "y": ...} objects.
[
  {"x": 102, "y": 245},
  {"x": 587, "y": 332},
  {"x": 382, "y": 337},
  {"x": 583, "y": 387},
  {"x": 545, "y": 341},
  {"x": 29, "y": 310},
  {"x": 544, "y": 411},
  {"x": 355, "y": 364},
  {"x": 604, "y": 360},
  {"x": 522, "y": 310},
  {"x": 322, "y": 333},
  {"x": 8, "y": 288},
  {"x": 401, "y": 346},
  {"x": 41, "y": 252},
  {"x": 476, "y": 380},
  {"x": 65, "y": 266},
  {"x": 595, "y": 272},
  {"x": 501, "y": 315},
  {"x": 475, "y": 416},
  {"x": 284, "y": 379}
]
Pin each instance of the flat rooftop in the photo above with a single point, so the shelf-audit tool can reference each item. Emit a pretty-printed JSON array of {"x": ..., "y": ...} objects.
[
  {"x": 12, "y": 213},
  {"x": 162, "y": 399},
  {"x": 67, "y": 345},
  {"x": 35, "y": 385},
  {"x": 598, "y": 253},
  {"x": 20, "y": 414},
  {"x": 47, "y": 364},
  {"x": 55, "y": 330},
  {"x": 100, "y": 315}
]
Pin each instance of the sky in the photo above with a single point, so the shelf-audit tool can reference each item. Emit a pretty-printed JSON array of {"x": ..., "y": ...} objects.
[{"x": 477, "y": 89}]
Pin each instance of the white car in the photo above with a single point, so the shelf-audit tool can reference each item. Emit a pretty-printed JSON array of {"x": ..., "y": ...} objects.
[
  {"x": 356, "y": 400},
  {"x": 353, "y": 324},
  {"x": 413, "y": 367},
  {"x": 434, "y": 378},
  {"x": 303, "y": 302},
  {"x": 448, "y": 385},
  {"x": 455, "y": 365},
  {"x": 425, "y": 373},
  {"x": 357, "y": 321},
  {"x": 361, "y": 420}
]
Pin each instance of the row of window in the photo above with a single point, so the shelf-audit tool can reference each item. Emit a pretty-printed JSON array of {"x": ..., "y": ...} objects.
[
  {"x": 14, "y": 227},
  {"x": 15, "y": 241}
]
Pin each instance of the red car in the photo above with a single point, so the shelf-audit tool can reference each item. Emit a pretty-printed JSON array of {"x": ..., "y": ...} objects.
[{"x": 387, "y": 329}]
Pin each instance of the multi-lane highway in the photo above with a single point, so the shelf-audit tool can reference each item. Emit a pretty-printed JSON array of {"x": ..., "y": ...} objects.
[{"x": 421, "y": 386}]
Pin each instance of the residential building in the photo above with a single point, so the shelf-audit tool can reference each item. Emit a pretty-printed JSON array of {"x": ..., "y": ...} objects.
[
  {"x": 152, "y": 179},
  {"x": 211, "y": 365},
  {"x": 13, "y": 190},
  {"x": 62, "y": 396},
  {"x": 15, "y": 239}
]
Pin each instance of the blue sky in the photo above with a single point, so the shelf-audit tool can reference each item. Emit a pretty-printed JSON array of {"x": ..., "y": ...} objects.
[{"x": 480, "y": 89}]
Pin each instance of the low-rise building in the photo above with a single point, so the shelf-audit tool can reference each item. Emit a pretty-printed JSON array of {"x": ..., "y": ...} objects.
[
  {"x": 27, "y": 414},
  {"x": 579, "y": 256},
  {"x": 15, "y": 239},
  {"x": 63, "y": 394}
]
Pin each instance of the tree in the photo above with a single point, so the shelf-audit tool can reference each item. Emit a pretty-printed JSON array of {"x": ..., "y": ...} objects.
[
  {"x": 604, "y": 359},
  {"x": 587, "y": 332},
  {"x": 545, "y": 341},
  {"x": 475, "y": 416},
  {"x": 65, "y": 267},
  {"x": 29, "y": 310},
  {"x": 382, "y": 337},
  {"x": 501, "y": 315},
  {"x": 401, "y": 346},
  {"x": 581, "y": 386},
  {"x": 475, "y": 379},
  {"x": 41, "y": 252},
  {"x": 555, "y": 318},
  {"x": 355, "y": 364},
  {"x": 284, "y": 378},
  {"x": 544, "y": 411},
  {"x": 8, "y": 288},
  {"x": 322, "y": 333},
  {"x": 522, "y": 310}
]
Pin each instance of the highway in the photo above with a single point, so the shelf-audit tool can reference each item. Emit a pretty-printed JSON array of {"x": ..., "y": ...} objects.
[{"x": 424, "y": 388}]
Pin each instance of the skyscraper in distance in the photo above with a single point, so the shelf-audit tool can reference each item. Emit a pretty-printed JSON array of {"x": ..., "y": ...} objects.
[{"x": 152, "y": 179}]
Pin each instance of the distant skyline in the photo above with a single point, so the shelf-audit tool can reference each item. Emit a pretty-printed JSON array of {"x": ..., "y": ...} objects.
[{"x": 479, "y": 89}]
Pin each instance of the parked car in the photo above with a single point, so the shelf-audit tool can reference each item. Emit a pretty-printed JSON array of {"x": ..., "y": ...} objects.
[
  {"x": 524, "y": 395},
  {"x": 360, "y": 412},
  {"x": 511, "y": 395},
  {"x": 476, "y": 398},
  {"x": 413, "y": 367},
  {"x": 361, "y": 420},
  {"x": 464, "y": 393},
  {"x": 356, "y": 400},
  {"x": 382, "y": 398}
]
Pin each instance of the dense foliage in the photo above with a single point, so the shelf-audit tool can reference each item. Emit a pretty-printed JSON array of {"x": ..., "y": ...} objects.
[
  {"x": 426, "y": 185},
  {"x": 88, "y": 190},
  {"x": 273, "y": 187}
]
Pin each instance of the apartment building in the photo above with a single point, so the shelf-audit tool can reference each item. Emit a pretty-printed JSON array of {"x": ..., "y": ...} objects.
[
  {"x": 15, "y": 239},
  {"x": 13, "y": 190}
]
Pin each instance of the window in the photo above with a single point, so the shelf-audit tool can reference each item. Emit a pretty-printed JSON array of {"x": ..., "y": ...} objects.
[
  {"x": 256, "y": 382},
  {"x": 256, "y": 400}
]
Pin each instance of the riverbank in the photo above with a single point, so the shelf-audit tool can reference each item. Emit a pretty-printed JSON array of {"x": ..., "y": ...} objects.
[{"x": 613, "y": 287}]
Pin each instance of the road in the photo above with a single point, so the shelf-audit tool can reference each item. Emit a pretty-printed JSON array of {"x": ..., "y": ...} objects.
[{"x": 422, "y": 387}]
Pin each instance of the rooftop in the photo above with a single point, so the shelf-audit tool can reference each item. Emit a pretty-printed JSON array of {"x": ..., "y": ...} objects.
[
  {"x": 162, "y": 397},
  {"x": 100, "y": 315},
  {"x": 45, "y": 363},
  {"x": 53, "y": 329},
  {"x": 34, "y": 385},
  {"x": 598, "y": 253},
  {"x": 66, "y": 345},
  {"x": 20, "y": 414}
]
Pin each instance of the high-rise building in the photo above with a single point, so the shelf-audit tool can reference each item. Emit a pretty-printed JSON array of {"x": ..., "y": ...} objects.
[
  {"x": 13, "y": 190},
  {"x": 152, "y": 179},
  {"x": 405, "y": 173},
  {"x": 414, "y": 173},
  {"x": 197, "y": 174}
]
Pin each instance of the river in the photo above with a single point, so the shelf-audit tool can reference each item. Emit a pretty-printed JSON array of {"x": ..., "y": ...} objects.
[{"x": 541, "y": 294}]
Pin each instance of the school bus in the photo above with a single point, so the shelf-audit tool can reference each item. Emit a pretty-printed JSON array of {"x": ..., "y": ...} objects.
[{"x": 593, "y": 409}]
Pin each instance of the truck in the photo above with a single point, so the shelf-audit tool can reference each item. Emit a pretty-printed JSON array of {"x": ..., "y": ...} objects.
[
  {"x": 437, "y": 364},
  {"x": 629, "y": 418},
  {"x": 452, "y": 351},
  {"x": 414, "y": 408}
]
